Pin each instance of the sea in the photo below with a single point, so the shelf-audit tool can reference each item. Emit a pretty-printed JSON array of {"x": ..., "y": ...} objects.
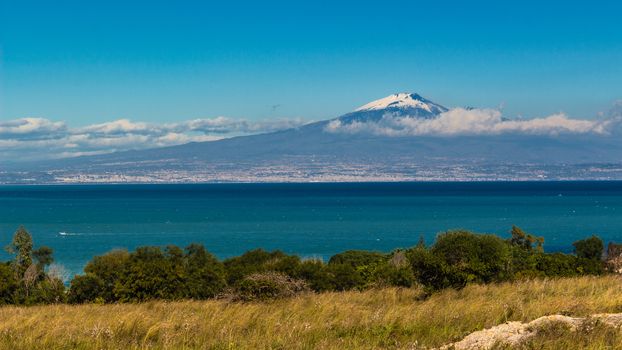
[{"x": 312, "y": 220}]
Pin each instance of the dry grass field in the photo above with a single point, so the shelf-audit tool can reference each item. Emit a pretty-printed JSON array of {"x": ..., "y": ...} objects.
[{"x": 383, "y": 318}]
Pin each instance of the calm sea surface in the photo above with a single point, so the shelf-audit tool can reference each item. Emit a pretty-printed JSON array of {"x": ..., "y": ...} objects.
[{"x": 312, "y": 220}]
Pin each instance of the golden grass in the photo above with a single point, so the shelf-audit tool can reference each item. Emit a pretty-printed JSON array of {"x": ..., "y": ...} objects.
[{"x": 386, "y": 318}]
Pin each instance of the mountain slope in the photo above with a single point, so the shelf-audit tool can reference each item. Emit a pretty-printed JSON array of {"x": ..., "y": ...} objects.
[{"x": 314, "y": 153}]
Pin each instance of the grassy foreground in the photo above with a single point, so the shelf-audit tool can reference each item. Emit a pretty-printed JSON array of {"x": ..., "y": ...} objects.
[{"x": 384, "y": 318}]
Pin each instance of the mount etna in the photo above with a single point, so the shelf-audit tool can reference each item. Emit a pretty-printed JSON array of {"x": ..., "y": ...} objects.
[{"x": 402, "y": 137}]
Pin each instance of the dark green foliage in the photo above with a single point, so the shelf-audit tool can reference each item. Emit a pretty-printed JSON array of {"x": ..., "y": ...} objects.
[
  {"x": 25, "y": 281},
  {"x": 86, "y": 289},
  {"x": 397, "y": 271},
  {"x": 348, "y": 270},
  {"x": 429, "y": 270},
  {"x": 150, "y": 273},
  {"x": 524, "y": 255},
  {"x": 590, "y": 248},
  {"x": 8, "y": 284},
  {"x": 557, "y": 265},
  {"x": 49, "y": 290},
  {"x": 316, "y": 275},
  {"x": 344, "y": 277},
  {"x": 286, "y": 264},
  {"x": 461, "y": 257},
  {"x": 251, "y": 262},
  {"x": 590, "y": 266},
  {"x": 455, "y": 259},
  {"x": 107, "y": 268},
  {"x": 525, "y": 262},
  {"x": 205, "y": 275},
  {"x": 389, "y": 275},
  {"x": 470, "y": 257}
]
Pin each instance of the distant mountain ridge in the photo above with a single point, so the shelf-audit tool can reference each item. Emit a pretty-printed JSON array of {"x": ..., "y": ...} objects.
[{"x": 311, "y": 153}]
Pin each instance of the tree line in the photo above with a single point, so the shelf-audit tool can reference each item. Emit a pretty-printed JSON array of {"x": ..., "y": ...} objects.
[{"x": 455, "y": 259}]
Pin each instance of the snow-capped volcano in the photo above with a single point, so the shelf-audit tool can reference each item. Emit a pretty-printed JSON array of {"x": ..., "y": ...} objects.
[
  {"x": 404, "y": 100},
  {"x": 409, "y": 138},
  {"x": 401, "y": 104}
]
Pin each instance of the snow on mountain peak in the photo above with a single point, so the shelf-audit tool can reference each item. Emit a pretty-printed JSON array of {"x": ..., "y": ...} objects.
[{"x": 403, "y": 100}]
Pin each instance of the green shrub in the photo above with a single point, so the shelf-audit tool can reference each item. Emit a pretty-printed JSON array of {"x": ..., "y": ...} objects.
[
  {"x": 86, "y": 289},
  {"x": 344, "y": 277},
  {"x": 396, "y": 271},
  {"x": 390, "y": 275},
  {"x": 470, "y": 257},
  {"x": 49, "y": 290},
  {"x": 590, "y": 248},
  {"x": 204, "y": 274},
  {"x": 557, "y": 265},
  {"x": 314, "y": 272},
  {"x": 590, "y": 266},
  {"x": 429, "y": 270},
  {"x": 150, "y": 273},
  {"x": 251, "y": 262},
  {"x": 524, "y": 262},
  {"x": 8, "y": 284},
  {"x": 455, "y": 259},
  {"x": 107, "y": 268}
]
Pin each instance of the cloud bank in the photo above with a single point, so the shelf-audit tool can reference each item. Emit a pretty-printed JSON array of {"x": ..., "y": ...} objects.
[
  {"x": 460, "y": 121},
  {"x": 39, "y": 138}
]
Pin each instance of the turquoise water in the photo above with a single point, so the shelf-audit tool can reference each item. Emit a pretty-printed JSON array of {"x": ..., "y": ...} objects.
[{"x": 312, "y": 220}]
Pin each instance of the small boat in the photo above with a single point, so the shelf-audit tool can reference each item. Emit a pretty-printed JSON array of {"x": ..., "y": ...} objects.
[{"x": 62, "y": 233}]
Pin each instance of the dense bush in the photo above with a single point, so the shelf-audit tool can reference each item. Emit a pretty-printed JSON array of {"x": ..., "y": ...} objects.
[
  {"x": 455, "y": 259},
  {"x": 255, "y": 261},
  {"x": 102, "y": 274},
  {"x": 526, "y": 250},
  {"x": 316, "y": 275},
  {"x": 429, "y": 270},
  {"x": 469, "y": 257},
  {"x": 24, "y": 280},
  {"x": 8, "y": 284},
  {"x": 344, "y": 277},
  {"x": 590, "y": 248},
  {"x": 88, "y": 288},
  {"x": 557, "y": 265},
  {"x": 204, "y": 274},
  {"x": 389, "y": 275},
  {"x": 150, "y": 273}
]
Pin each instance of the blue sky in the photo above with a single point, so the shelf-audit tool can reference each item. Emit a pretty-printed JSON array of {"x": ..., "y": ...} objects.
[
  {"x": 85, "y": 63},
  {"x": 81, "y": 78}
]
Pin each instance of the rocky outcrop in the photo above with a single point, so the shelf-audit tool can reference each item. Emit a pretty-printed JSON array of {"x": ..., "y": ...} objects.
[{"x": 516, "y": 333}]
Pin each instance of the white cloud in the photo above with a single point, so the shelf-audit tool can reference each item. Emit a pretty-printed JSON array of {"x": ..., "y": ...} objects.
[
  {"x": 121, "y": 126},
  {"x": 30, "y": 126},
  {"x": 35, "y": 138},
  {"x": 460, "y": 121}
]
